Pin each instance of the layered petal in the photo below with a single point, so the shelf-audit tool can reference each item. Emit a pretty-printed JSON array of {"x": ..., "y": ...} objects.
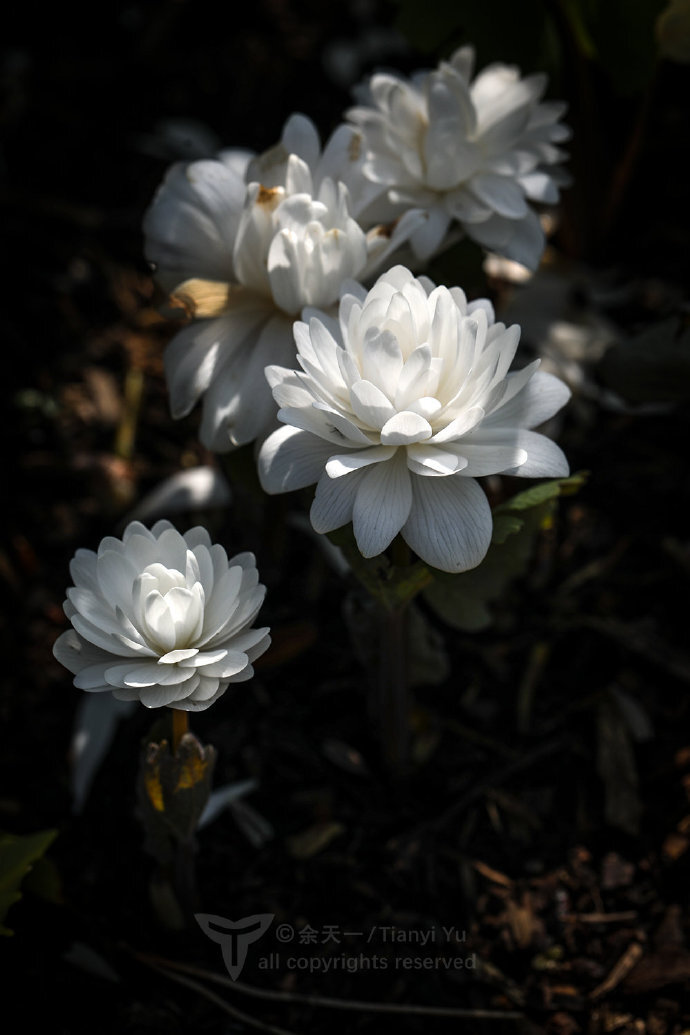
[
  {"x": 475, "y": 152},
  {"x": 398, "y": 407},
  {"x": 162, "y": 618}
]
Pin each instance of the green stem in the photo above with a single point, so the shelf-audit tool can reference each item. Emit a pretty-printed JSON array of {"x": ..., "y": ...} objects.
[{"x": 180, "y": 726}]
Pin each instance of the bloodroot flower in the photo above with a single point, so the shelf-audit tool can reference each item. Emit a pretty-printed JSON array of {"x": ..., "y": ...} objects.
[
  {"x": 242, "y": 246},
  {"x": 162, "y": 618},
  {"x": 398, "y": 408},
  {"x": 475, "y": 151}
]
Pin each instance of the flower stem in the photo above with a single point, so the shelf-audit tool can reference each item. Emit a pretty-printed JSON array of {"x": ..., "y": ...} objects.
[
  {"x": 180, "y": 726},
  {"x": 394, "y": 703},
  {"x": 394, "y": 698}
]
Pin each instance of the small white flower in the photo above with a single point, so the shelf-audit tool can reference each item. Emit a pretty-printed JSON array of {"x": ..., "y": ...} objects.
[
  {"x": 398, "y": 408},
  {"x": 244, "y": 245},
  {"x": 475, "y": 151},
  {"x": 162, "y": 618}
]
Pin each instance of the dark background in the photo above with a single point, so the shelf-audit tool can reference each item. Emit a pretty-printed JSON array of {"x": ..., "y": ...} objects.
[{"x": 507, "y": 826}]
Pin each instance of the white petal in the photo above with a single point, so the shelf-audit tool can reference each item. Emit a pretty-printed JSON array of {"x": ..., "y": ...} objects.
[
  {"x": 501, "y": 193},
  {"x": 404, "y": 428},
  {"x": 194, "y": 704},
  {"x": 538, "y": 401},
  {"x": 173, "y": 656},
  {"x": 93, "y": 676},
  {"x": 149, "y": 674},
  {"x": 345, "y": 463},
  {"x": 327, "y": 423},
  {"x": 428, "y": 238},
  {"x": 233, "y": 663},
  {"x": 257, "y": 409},
  {"x": 254, "y": 235},
  {"x": 172, "y": 549},
  {"x": 197, "y": 536},
  {"x": 202, "y": 658},
  {"x": 382, "y": 505},
  {"x": 76, "y": 653},
  {"x": 193, "y": 220},
  {"x": 544, "y": 458},
  {"x": 83, "y": 570},
  {"x": 382, "y": 359},
  {"x": 116, "y": 575},
  {"x": 334, "y": 501},
  {"x": 300, "y": 137},
  {"x": 352, "y": 435},
  {"x": 427, "y": 460},
  {"x": 159, "y": 622},
  {"x": 249, "y": 605},
  {"x": 197, "y": 354},
  {"x": 450, "y": 522},
  {"x": 412, "y": 382},
  {"x": 486, "y": 458},
  {"x": 109, "y": 643},
  {"x": 370, "y": 404},
  {"x": 141, "y": 548},
  {"x": 458, "y": 426},
  {"x": 290, "y": 389},
  {"x": 427, "y": 407},
  {"x": 539, "y": 186},
  {"x": 521, "y": 240},
  {"x": 187, "y": 610},
  {"x": 222, "y": 603},
  {"x": 163, "y": 696},
  {"x": 253, "y": 642},
  {"x": 292, "y": 459}
]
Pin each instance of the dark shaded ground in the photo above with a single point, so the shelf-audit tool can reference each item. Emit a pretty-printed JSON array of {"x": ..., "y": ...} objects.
[{"x": 548, "y": 817}]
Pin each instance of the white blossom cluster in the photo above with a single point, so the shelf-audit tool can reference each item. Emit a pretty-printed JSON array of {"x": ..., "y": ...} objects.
[
  {"x": 244, "y": 243},
  {"x": 393, "y": 400}
]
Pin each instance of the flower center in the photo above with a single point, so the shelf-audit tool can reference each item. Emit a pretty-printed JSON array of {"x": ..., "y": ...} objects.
[{"x": 172, "y": 612}]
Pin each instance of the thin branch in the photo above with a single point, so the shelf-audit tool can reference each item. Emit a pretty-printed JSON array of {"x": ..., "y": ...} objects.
[
  {"x": 361, "y": 1006},
  {"x": 215, "y": 999}
]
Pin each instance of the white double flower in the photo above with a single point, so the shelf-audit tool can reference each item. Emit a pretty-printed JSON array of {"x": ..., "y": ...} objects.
[
  {"x": 398, "y": 407},
  {"x": 162, "y": 618},
  {"x": 473, "y": 152},
  {"x": 243, "y": 244}
]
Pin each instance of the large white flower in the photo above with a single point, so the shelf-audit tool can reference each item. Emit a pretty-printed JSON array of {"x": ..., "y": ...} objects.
[
  {"x": 162, "y": 618},
  {"x": 243, "y": 245},
  {"x": 475, "y": 151},
  {"x": 398, "y": 408}
]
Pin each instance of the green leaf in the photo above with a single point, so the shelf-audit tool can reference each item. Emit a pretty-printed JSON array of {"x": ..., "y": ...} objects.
[
  {"x": 18, "y": 854},
  {"x": 654, "y": 366},
  {"x": 505, "y": 525},
  {"x": 44, "y": 881},
  {"x": 542, "y": 493},
  {"x": 463, "y": 600}
]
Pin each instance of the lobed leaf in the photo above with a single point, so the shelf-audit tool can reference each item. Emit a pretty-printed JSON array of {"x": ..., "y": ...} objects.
[
  {"x": 18, "y": 855},
  {"x": 463, "y": 600}
]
